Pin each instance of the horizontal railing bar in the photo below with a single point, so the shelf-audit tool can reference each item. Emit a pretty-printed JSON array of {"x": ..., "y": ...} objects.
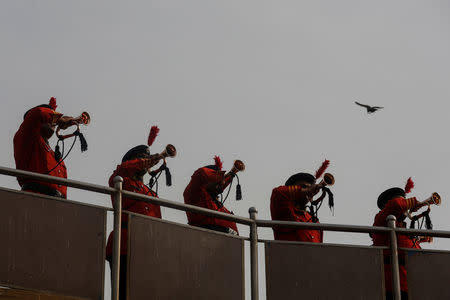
[
  {"x": 323, "y": 226},
  {"x": 425, "y": 251},
  {"x": 195, "y": 209},
  {"x": 134, "y": 196},
  {"x": 265, "y": 241},
  {"x": 421, "y": 232},
  {"x": 187, "y": 207},
  {"x": 68, "y": 182}
]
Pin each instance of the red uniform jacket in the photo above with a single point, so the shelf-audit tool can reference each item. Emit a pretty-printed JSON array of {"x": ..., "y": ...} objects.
[
  {"x": 397, "y": 207},
  {"x": 282, "y": 208},
  {"x": 196, "y": 194},
  {"x": 32, "y": 153},
  {"x": 127, "y": 170}
]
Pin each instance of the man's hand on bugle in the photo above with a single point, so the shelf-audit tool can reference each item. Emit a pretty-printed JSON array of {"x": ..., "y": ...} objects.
[{"x": 152, "y": 160}]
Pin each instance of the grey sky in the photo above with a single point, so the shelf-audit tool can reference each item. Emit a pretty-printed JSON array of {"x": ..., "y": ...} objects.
[{"x": 269, "y": 82}]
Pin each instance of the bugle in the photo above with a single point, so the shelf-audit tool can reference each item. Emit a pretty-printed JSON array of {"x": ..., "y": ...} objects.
[
  {"x": 435, "y": 199},
  {"x": 169, "y": 151},
  {"x": 83, "y": 119},
  {"x": 238, "y": 166}
]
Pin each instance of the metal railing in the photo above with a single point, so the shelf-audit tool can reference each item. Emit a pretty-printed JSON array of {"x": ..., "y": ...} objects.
[{"x": 117, "y": 192}]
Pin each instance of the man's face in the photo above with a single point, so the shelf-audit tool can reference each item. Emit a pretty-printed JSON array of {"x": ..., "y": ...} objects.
[
  {"x": 47, "y": 130},
  {"x": 142, "y": 172},
  {"x": 303, "y": 184},
  {"x": 216, "y": 187}
]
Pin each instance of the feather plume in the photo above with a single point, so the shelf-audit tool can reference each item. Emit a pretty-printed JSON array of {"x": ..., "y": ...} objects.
[
  {"x": 218, "y": 162},
  {"x": 322, "y": 168},
  {"x": 152, "y": 135},
  {"x": 52, "y": 103},
  {"x": 409, "y": 185}
]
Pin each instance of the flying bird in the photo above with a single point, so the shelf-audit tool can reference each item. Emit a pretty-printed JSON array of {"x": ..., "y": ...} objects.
[{"x": 370, "y": 109}]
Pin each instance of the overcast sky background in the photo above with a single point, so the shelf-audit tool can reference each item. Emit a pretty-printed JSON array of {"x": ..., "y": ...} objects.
[{"x": 272, "y": 83}]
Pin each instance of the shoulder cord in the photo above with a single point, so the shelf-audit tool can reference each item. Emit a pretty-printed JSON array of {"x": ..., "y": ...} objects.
[
  {"x": 154, "y": 178},
  {"x": 64, "y": 157},
  {"x": 314, "y": 209},
  {"x": 228, "y": 192},
  {"x": 238, "y": 189},
  {"x": 154, "y": 181},
  {"x": 425, "y": 218}
]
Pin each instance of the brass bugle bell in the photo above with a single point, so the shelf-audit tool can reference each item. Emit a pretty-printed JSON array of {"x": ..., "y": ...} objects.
[
  {"x": 238, "y": 166},
  {"x": 328, "y": 179},
  {"x": 84, "y": 118},
  {"x": 170, "y": 151}
]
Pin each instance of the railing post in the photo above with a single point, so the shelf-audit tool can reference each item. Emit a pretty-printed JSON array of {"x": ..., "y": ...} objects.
[
  {"x": 254, "y": 254},
  {"x": 117, "y": 229},
  {"x": 394, "y": 259}
]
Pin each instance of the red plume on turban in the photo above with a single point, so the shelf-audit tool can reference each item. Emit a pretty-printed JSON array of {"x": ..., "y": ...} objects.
[
  {"x": 409, "y": 185},
  {"x": 52, "y": 103},
  {"x": 322, "y": 168},
  {"x": 152, "y": 135},
  {"x": 218, "y": 162}
]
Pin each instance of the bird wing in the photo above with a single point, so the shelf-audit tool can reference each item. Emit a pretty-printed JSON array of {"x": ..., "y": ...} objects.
[
  {"x": 363, "y": 105},
  {"x": 378, "y": 107}
]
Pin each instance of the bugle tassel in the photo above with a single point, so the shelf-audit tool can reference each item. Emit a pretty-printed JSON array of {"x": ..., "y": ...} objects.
[
  {"x": 83, "y": 142},
  {"x": 168, "y": 176},
  {"x": 238, "y": 192}
]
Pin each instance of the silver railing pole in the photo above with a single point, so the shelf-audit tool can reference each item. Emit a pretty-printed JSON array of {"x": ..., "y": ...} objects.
[
  {"x": 394, "y": 258},
  {"x": 254, "y": 254},
  {"x": 117, "y": 228}
]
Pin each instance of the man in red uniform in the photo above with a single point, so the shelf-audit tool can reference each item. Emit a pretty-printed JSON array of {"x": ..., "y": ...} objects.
[
  {"x": 33, "y": 153},
  {"x": 288, "y": 203},
  {"x": 393, "y": 202},
  {"x": 204, "y": 189},
  {"x": 135, "y": 164}
]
